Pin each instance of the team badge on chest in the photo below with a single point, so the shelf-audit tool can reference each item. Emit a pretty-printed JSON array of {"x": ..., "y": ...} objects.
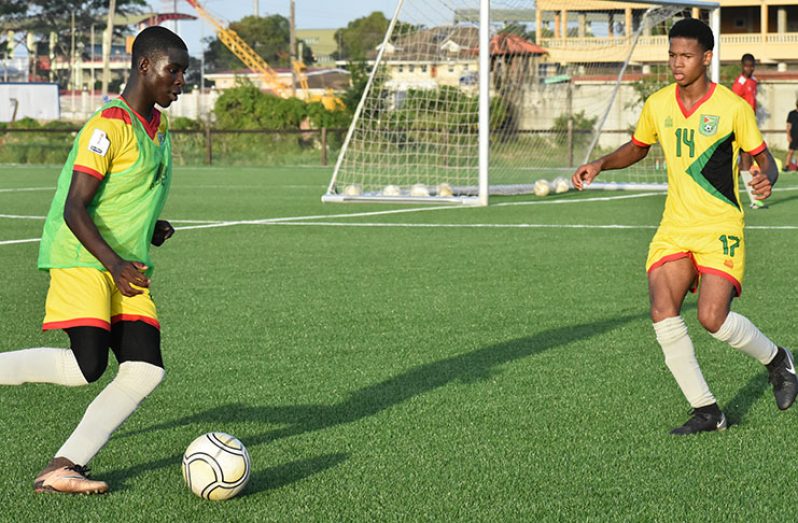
[{"x": 709, "y": 124}]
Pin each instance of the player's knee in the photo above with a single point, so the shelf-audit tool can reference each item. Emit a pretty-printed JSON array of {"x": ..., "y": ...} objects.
[
  {"x": 139, "y": 378},
  {"x": 712, "y": 318},
  {"x": 90, "y": 347},
  {"x": 93, "y": 369},
  {"x": 661, "y": 312}
]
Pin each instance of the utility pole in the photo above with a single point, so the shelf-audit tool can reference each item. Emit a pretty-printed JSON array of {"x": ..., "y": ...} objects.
[
  {"x": 256, "y": 7},
  {"x": 107, "y": 39},
  {"x": 72, "y": 65},
  {"x": 292, "y": 44}
]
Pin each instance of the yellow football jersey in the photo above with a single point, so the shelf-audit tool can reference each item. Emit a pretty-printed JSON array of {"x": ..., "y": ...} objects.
[
  {"x": 108, "y": 143},
  {"x": 701, "y": 147}
]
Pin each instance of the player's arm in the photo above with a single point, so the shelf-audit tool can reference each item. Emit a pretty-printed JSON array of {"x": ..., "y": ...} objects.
[
  {"x": 624, "y": 156},
  {"x": 125, "y": 273},
  {"x": 789, "y": 133},
  {"x": 763, "y": 182}
]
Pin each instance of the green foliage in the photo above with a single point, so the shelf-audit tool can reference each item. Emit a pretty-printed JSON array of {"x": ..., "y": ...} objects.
[
  {"x": 181, "y": 123},
  {"x": 659, "y": 77},
  {"x": 246, "y": 107},
  {"x": 359, "y": 77},
  {"x": 361, "y": 36},
  {"x": 268, "y": 36},
  {"x": 582, "y": 126}
]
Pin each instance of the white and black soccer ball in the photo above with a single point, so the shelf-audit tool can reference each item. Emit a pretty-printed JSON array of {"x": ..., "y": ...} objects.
[{"x": 216, "y": 466}]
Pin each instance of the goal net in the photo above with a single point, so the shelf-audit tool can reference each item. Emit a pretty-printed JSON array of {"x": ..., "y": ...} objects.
[{"x": 445, "y": 117}]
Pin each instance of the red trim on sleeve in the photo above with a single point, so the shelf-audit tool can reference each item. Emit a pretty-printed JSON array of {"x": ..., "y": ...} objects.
[
  {"x": 698, "y": 104},
  {"x": 724, "y": 275},
  {"x": 88, "y": 170},
  {"x": 639, "y": 143},
  {"x": 758, "y": 149},
  {"x": 135, "y": 317},
  {"x": 78, "y": 322},
  {"x": 116, "y": 113}
]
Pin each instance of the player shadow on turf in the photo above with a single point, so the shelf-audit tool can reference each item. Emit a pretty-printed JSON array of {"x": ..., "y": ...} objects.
[
  {"x": 737, "y": 408},
  {"x": 373, "y": 399},
  {"x": 466, "y": 368},
  {"x": 773, "y": 202},
  {"x": 262, "y": 479}
]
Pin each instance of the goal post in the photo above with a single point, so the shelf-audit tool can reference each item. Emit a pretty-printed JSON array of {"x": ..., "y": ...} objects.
[{"x": 472, "y": 98}]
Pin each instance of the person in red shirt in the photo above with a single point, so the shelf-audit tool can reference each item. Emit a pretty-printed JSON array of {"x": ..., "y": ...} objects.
[{"x": 745, "y": 88}]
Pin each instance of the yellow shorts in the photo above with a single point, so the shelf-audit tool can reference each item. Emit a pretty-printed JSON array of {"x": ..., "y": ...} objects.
[
  {"x": 719, "y": 251},
  {"x": 86, "y": 297}
]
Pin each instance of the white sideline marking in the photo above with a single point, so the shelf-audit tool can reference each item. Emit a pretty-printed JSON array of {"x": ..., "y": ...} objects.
[
  {"x": 581, "y": 200},
  {"x": 14, "y": 242},
  {"x": 21, "y": 217},
  {"x": 28, "y": 189},
  {"x": 269, "y": 221},
  {"x": 469, "y": 225}
]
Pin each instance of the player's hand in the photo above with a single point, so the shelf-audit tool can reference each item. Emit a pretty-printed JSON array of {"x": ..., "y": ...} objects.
[
  {"x": 129, "y": 275},
  {"x": 584, "y": 175},
  {"x": 761, "y": 186},
  {"x": 163, "y": 231}
]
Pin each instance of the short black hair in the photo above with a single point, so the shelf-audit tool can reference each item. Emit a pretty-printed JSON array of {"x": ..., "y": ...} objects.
[
  {"x": 695, "y": 29},
  {"x": 155, "y": 40},
  {"x": 747, "y": 57}
]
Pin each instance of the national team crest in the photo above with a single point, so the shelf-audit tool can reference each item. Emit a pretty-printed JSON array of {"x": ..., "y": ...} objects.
[{"x": 709, "y": 124}]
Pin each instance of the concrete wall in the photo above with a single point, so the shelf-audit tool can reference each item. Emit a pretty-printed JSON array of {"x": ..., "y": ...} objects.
[
  {"x": 78, "y": 106},
  {"x": 540, "y": 106}
]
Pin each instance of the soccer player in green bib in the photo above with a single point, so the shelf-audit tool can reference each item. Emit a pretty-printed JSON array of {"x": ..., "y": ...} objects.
[
  {"x": 701, "y": 127},
  {"x": 95, "y": 245}
]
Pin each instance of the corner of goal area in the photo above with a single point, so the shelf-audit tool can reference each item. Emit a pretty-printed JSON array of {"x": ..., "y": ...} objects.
[{"x": 425, "y": 200}]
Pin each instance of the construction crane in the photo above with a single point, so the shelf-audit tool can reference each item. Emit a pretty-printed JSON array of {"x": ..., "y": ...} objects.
[
  {"x": 329, "y": 100},
  {"x": 243, "y": 51}
]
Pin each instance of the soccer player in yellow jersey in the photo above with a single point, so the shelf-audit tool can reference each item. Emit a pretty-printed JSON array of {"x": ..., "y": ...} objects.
[
  {"x": 95, "y": 245},
  {"x": 701, "y": 127}
]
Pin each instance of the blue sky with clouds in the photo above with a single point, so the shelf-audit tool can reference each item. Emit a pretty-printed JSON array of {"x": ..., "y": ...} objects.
[{"x": 310, "y": 14}]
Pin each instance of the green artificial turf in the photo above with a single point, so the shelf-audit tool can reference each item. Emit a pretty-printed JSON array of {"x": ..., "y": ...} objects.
[{"x": 468, "y": 364}]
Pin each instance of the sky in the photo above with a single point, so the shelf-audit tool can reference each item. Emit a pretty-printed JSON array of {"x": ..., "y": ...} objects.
[{"x": 310, "y": 14}]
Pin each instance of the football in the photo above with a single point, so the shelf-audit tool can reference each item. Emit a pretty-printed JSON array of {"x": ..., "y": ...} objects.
[
  {"x": 542, "y": 188},
  {"x": 391, "y": 190},
  {"x": 216, "y": 466},
  {"x": 445, "y": 190},
  {"x": 561, "y": 185},
  {"x": 419, "y": 190},
  {"x": 354, "y": 189}
]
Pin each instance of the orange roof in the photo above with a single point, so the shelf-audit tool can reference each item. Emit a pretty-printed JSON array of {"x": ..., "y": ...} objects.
[{"x": 508, "y": 43}]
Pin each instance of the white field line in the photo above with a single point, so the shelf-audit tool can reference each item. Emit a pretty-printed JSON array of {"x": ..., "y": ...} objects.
[
  {"x": 14, "y": 242},
  {"x": 581, "y": 200},
  {"x": 28, "y": 189},
  {"x": 319, "y": 220}
]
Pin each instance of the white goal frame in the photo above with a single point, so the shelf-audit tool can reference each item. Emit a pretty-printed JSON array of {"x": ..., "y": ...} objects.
[{"x": 482, "y": 197}]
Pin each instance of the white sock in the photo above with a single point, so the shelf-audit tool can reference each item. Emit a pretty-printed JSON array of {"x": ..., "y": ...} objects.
[
  {"x": 747, "y": 177},
  {"x": 115, "y": 403},
  {"x": 740, "y": 333},
  {"x": 680, "y": 359},
  {"x": 41, "y": 365}
]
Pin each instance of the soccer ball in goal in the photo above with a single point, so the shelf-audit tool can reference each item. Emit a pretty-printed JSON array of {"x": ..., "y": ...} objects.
[
  {"x": 216, "y": 466},
  {"x": 489, "y": 96}
]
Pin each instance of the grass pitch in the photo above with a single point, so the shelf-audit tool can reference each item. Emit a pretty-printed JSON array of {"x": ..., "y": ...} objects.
[{"x": 490, "y": 364}]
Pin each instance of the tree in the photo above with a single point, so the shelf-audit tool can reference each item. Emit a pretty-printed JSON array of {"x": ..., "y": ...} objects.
[
  {"x": 361, "y": 36},
  {"x": 268, "y": 36},
  {"x": 43, "y": 17}
]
